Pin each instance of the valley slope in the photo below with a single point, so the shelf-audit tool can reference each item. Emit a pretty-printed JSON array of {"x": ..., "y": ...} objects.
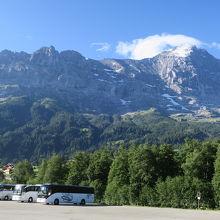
[{"x": 54, "y": 101}]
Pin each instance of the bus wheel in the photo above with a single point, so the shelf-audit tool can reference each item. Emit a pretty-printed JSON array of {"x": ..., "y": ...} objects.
[
  {"x": 30, "y": 200},
  {"x": 6, "y": 198},
  {"x": 83, "y": 202},
  {"x": 56, "y": 202}
]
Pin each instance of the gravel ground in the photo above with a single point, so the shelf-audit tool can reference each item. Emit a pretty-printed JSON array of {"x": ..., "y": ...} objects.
[{"x": 11, "y": 210}]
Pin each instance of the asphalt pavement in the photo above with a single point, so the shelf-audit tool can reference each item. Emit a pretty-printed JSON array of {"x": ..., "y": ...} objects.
[{"x": 12, "y": 210}]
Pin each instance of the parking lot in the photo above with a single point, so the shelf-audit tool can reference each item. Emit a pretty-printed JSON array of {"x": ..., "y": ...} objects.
[{"x": 11, "y": 210}]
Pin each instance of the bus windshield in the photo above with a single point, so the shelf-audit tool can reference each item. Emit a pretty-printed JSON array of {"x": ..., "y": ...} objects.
[
  {"x": 43, "y": 190},
  {"x": 18, "y": 189}
]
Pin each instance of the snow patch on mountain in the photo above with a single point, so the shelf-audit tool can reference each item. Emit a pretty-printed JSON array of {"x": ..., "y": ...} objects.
[
  {"x": 108, "y": 70},
  {"x": 169, "y": 97},
  {"x": 182, "y": 51},
  {"x": 149, "y": 85},
  {"x": 124, "y": 102}
]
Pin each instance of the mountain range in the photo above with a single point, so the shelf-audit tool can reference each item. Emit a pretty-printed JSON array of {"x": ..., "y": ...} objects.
[{"x": 182, "y": 80}]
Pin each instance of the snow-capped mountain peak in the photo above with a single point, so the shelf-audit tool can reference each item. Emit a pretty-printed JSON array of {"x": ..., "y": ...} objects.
[{"x": 182, "y": 51}]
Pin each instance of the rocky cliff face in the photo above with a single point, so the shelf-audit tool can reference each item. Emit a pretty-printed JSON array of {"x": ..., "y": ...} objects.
[{"x": 183, "y": 80}]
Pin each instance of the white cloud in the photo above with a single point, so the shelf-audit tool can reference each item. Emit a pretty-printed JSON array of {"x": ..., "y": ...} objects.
[
  {"x": 155, "y": 44},
  {"x": 101, "y": 46},
  {"x": 216, "y": 45}
]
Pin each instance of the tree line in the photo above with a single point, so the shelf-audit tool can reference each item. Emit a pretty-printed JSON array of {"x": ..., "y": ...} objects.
[{"x": 139, "y": 175}]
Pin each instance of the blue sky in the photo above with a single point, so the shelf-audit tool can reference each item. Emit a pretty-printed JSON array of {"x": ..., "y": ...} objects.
[{"x": 109, "y": 28}]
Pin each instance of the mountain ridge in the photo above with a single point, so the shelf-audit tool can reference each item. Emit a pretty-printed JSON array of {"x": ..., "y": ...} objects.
[{"x": 171, "y": 82}]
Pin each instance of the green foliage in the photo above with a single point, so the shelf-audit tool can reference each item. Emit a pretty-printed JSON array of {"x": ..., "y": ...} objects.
[
  {"x": 8, "y": 181},
  {"x": 42, "y": 171},
  {"x": 117, "y": 195},
  {"x": 167, "y": 164},
  {"x": 216, "y": 179},
  {"x": 98, "y": 170},
  {"x": 119, "y": 168},
  {"x": 148, "y": 196},
  {"x": 141, "y": 175},
  {"x": 142, "y": 165},
  {"x": 181, "y": 192},
  {"x": 78, "y": 169},
  {"x": 2, "y": 177},
  {"x": 23, "y": 172},
  {"x": 14, "y": 113},
  {"x": 117, "y": 191},
  {"x": 56, "y": 170},
  {"x": 37, "y": 128},
  {"x": 199, "y": 161}
]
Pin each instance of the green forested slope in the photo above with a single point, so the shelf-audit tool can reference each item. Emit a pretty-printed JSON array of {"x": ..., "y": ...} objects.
[{"x": 35, "y": 130}]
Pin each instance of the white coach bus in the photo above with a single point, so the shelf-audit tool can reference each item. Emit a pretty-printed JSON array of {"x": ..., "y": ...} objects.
[
  {"x": 18, "y": 190},
  {"x": 6, "y": 191},
  {"x": 30, "y": 193},
  {"x": 57, "y": 194}
]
